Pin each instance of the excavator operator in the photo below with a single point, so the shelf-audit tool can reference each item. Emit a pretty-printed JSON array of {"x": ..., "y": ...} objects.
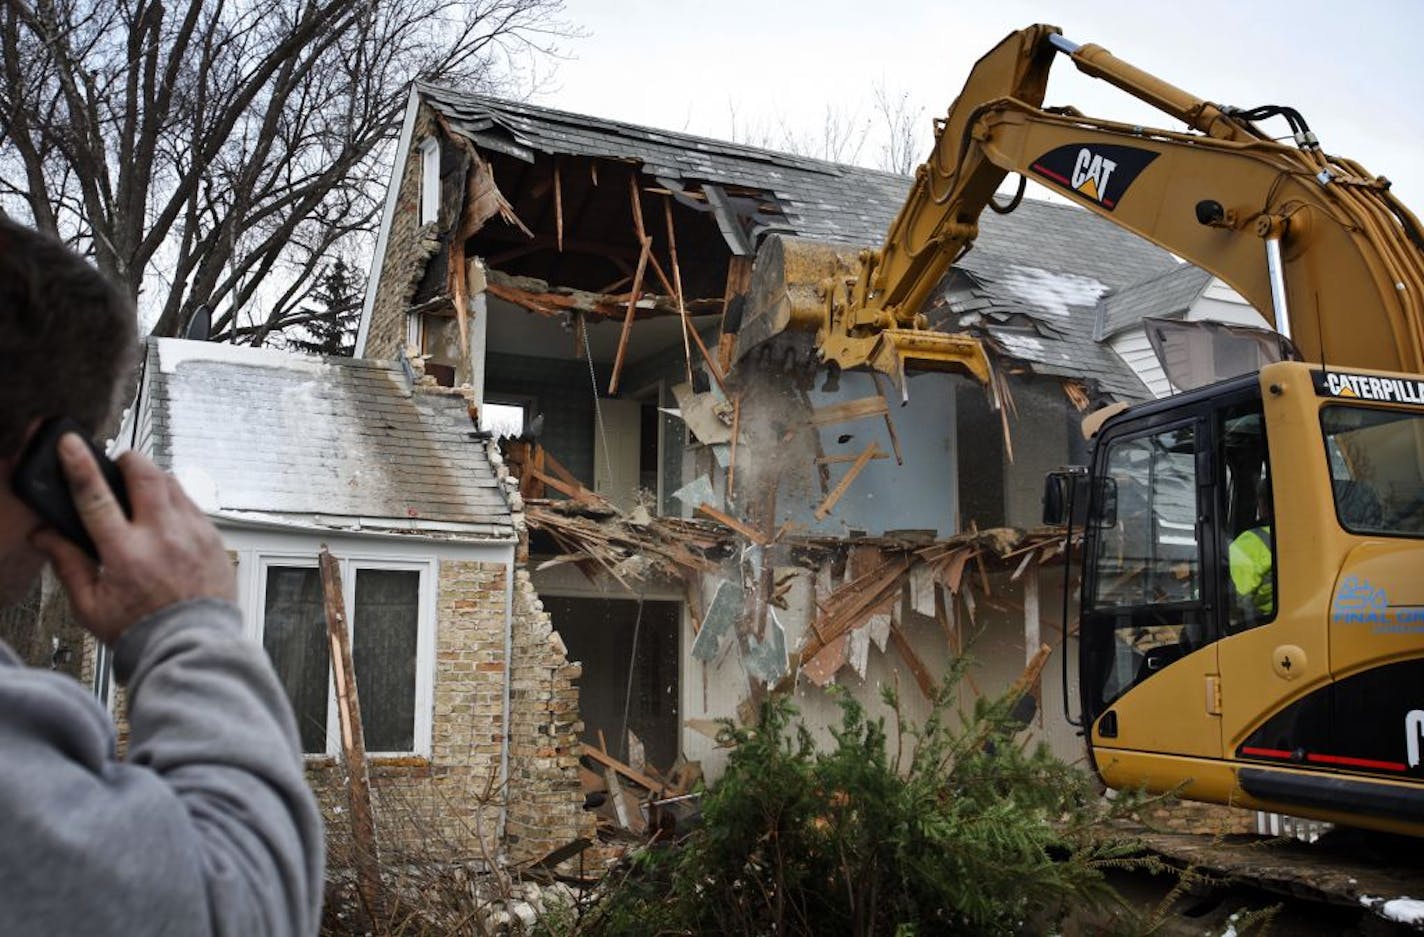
[{"x": 1251, "y": 557}]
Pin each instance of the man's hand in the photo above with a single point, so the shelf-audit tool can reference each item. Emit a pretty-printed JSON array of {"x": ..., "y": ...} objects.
[{"x": 169, "y": 552}]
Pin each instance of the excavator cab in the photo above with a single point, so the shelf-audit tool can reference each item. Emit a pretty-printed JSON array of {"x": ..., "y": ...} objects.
[{"x": 1251, "y": 627}]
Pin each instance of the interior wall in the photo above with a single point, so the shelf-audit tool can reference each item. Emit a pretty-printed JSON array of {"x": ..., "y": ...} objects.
[
  {"x": 1040, "y": 429},
  {"x": 980, "y": 459},
  {"x": 564, "y": 397},
  {"x": 993, "y": 638}
]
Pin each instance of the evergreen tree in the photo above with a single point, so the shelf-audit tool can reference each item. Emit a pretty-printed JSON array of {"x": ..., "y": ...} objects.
[{"x": 334, "y": 308}]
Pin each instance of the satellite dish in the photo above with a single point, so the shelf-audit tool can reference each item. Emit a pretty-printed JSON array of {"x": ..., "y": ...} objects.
[{"x": 200, "y": 324}]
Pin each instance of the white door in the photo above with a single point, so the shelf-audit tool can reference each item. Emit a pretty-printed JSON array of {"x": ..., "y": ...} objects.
[{"x": 615, "y": 465}]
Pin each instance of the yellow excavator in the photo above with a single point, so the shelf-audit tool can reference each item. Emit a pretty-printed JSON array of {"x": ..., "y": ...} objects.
[{"x": 1251, "y": 628}]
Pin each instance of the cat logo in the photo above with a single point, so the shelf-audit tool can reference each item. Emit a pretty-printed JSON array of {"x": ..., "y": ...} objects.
[
  {"x": 1099, "y": 173},
  {"x": 1091, "y": 174}
]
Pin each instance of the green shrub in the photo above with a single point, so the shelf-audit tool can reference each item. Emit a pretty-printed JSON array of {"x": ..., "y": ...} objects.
[{"x": 973, "y": 835}]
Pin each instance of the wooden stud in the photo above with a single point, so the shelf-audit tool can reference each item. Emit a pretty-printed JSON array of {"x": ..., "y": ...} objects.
[
  {"x": 687, "y": 326},
  {"x": 353, "y": 740},
  {"x": 677, "y": 287},
  {"x": 836, "y": 493},
  {"x": 558, "y": 208},
  {"x": 628, "y": 319}
]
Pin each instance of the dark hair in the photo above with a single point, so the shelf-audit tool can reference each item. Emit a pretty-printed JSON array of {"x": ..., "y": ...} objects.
[{"x": 67, "y": 335}]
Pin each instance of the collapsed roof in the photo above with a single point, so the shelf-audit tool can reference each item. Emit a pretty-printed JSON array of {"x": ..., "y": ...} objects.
[{"x": 1032, "y": 285}]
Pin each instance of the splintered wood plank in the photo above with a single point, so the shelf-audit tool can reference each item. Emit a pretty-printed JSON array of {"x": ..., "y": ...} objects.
[
  {"x": 687, "y": 323},
  {"x": 677, "y": 286},
  {"x": 839, "y": 491},
  {"x": 558, "y": 208},
  {"x": 951, "y": 574},
  {"x": 821, "y": 669},
  {"x": 721, "y": 517},
  {"x": 353, "y": 740},
  {"x": 849, "y": 606},
  {"x": 556, "y": 468},
  {"x": 615, "y": 797},
  {"x": 628, "y": 319},
  {"x": 577, "y": 492},
  {"x": 849, "y": 410},
  {"x": 632, "y": 774},
  {"x": 917, "y": 667}
]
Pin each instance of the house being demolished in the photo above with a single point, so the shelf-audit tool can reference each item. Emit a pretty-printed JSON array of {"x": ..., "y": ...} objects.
[{"x": 709, "y": 517}]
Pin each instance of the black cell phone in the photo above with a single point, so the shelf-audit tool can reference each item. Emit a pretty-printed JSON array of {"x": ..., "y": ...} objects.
[{"x": 40, "y": 483}]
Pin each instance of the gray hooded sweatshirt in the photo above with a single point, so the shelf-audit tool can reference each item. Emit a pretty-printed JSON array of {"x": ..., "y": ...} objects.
[{"x": 207, "y": 828}]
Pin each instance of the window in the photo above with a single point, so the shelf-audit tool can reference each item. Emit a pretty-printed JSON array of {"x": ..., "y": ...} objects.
[
  {"x": 429, "y": 180},
  {"x": 1248, "y": 543},
  {"x": 504, "y": 418},
  {"x": 1151, "y": 555},
  {"x": 1146, "y": 610},
  {"x": 1376, "y": 469},
  {"x": 391, "y": 649}
]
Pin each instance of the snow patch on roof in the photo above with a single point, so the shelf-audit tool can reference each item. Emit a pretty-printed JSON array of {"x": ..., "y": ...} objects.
[
  {"x": 175, "y": 351},
  {"x": 1055, "y": 293},
  {"x": 1020, "y": 346},
  {"x": 1399, "y": 910}
]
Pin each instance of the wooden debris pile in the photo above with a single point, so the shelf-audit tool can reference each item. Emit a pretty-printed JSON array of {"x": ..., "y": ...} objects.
[
  {"x": 629, "y": 547},
  {"x": 637, "y": 802},
  {"x": 593, "y": 534},
  {"x": 943, "y": 580}
]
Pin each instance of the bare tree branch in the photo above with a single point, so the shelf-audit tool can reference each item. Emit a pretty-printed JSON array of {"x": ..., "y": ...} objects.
[{"x": 222, "y": 151}]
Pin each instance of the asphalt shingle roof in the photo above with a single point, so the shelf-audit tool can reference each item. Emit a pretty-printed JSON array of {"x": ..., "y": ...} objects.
[
  {"x": 1078, "y": 257},
  {"x": 263, "y": 431},
  {"x": 1168, "y": 294}
]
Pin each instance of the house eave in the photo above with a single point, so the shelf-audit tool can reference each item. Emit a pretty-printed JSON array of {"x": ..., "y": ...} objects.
[{"x": 375, "y": 527}]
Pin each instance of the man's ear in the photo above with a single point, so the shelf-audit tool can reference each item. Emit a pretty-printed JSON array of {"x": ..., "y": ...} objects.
[{"x": 8, "y": 462}]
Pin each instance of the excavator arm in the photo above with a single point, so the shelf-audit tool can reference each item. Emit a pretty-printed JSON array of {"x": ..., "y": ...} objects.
[{"x": 1322, "y": 249}]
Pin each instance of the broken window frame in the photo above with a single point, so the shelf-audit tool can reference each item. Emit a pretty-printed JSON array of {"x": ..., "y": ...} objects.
[
  {"x": 351, "y": 565},
  {"x": 525, "y": 402}
]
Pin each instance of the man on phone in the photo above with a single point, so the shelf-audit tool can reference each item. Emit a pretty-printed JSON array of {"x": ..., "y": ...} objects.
[{"x": 208, "y": 826}]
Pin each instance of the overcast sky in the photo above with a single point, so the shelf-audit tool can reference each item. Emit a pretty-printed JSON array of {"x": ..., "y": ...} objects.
[{"x": 1353, "y": 69}]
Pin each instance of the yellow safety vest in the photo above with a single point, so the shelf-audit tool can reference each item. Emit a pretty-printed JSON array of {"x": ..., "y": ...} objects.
[{"x": 1251, "y": 558}]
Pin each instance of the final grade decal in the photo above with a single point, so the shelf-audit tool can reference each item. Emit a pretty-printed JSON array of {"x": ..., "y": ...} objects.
[{"x": 1098, "y": 172}]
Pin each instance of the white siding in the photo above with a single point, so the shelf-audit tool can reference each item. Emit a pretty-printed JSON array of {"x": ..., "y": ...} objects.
[{"x": 1135, "y": 350}]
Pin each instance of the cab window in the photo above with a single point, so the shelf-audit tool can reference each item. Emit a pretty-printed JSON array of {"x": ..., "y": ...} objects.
[
  {"x": 1248, "y": 553},
  {"x": 1376, "y": 459},
  {"x": 1150, "y": 555}
]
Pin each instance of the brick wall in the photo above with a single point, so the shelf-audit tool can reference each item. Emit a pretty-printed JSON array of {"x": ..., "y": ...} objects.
[
  {"x": 546, "y": 809},
  {"x": 408, "y": 247},
  {"x": 448, "y": 806}
]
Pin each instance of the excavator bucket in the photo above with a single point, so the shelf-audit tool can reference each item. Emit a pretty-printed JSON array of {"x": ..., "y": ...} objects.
[
  {"x": 794, "y": 284},
  {"x": 791, "y": 278}
]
